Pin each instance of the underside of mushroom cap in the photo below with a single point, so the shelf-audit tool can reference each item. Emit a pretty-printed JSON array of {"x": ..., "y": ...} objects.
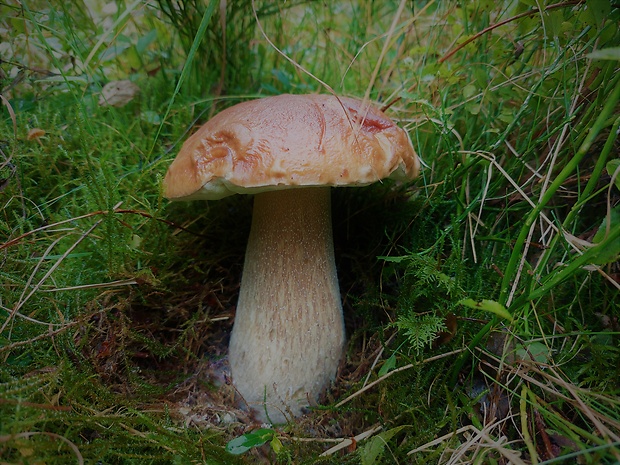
[{"x": 289, "y": 141}]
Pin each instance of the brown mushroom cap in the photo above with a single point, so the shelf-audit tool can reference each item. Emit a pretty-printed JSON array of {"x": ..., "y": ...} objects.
[{"x": 290, "y": 141}]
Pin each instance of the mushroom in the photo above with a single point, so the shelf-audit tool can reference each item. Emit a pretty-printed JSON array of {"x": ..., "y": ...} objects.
[
  {"x": 36, "y": 134},
  {"x": 288, "y": 336}
]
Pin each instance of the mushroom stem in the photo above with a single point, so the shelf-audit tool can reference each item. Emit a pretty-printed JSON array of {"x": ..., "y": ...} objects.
[{"x": 288, "y": 336}]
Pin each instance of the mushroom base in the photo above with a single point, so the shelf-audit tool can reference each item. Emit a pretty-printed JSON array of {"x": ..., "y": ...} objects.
[{"x": 288, "y": 336}]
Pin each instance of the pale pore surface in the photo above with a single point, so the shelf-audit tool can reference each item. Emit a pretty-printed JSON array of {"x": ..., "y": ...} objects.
[{"x": 288, "y": 335}]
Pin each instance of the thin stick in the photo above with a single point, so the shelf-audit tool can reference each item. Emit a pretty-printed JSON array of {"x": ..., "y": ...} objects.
[
  {"x": 397, "y": 370},
  {"x": 441, "y": 439},
  {"x": 346, "y": 442},
  {"x": 121, "y": 282}
]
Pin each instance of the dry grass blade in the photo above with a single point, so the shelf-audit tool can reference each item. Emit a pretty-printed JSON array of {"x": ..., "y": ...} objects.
[
  {"x": 28, "y": 318},
  {"x": 121, "y": 282},
  {"x": 596, "y": 418},
  {"x": 453, "y": 51},
  {"x": 346, "y": 442},
  {"x": 547, "y": 378},
  {"x": 57, "y": 408},
  {"x": 480, "y": 439},
  {"x": 384, "y": 50},
  {"x": 17, "y": 239},
  {"x": 440, "y": 439},
  {"x": 49, "y": 272},
  {"x": 393, "y": 372}
]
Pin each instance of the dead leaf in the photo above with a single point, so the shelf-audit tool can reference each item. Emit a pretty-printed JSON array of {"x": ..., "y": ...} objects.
[
  {"x": 443, "y": 337},
  {"x": 118, "y": 93}
]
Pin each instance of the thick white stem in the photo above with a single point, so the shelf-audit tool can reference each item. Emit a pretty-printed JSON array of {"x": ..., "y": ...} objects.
[{"x": 288, "y": 336}]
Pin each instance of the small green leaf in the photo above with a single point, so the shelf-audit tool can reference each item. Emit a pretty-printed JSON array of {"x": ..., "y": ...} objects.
[
  {"x": 488, "y": 306},
  {"x": 135, "y": 242},
  {"x": 247, "y": 441},
  {"x": 151, "y": 117},
  {"x": 388, "y": 366},
  {"x": 276, "y": 445},
  {"x": 553, "y": 22},
  {"x": 612, "y": 166},
  {"x": 113, "y": 51},
  {"x": 600, "y": 10},
  {"x": 473, "y": 108},
  {"x": 373, "y": 449},
  {"x": 469, "y": 90},
  {"x": 146, "y": 40},
  {"x": 537, "y": 351},
  {"x": 610, "y": 253}
]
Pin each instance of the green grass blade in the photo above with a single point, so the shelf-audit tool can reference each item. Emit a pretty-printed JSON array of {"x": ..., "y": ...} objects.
[
  {"x": 204, "y": 23},
  {"x": 600, "y": 123}
]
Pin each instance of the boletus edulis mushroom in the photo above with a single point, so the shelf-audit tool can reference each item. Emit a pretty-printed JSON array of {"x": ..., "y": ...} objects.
[{"x": 288, "y": 335}]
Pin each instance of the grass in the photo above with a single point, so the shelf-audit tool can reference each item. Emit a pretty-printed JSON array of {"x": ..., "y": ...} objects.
[{"x": 481, "y": 301}]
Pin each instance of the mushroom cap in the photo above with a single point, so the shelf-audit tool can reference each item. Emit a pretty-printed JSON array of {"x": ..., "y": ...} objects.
[{"x": 289, "y": 141}]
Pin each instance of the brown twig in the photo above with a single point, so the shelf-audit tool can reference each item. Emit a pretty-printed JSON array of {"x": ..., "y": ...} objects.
[{"x": 397, "y": 370}]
